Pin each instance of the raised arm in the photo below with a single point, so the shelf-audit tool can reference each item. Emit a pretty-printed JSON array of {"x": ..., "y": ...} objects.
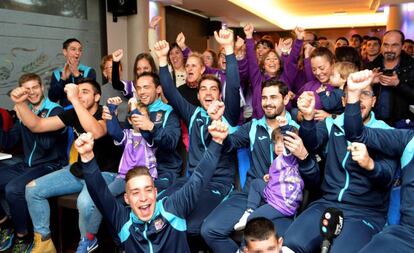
[
  {"x": 391, "y": 142},
  {"x": 291, "y": 65},
  {"x": 180, "y": 105},
  {"x": 307, "y": 63},
  {"x": 314, "y": 136},
  {"x": 86, "y": 119},
  {"x": 117, "y": 84},
  {"x": 232, "y": 101},
  {"x": 184, "y": 200},
  {"x": 153, "y": 37},
  {"x": 30, "y": 120},
  {"x": 255, "y": 76},
  {"x": 107, "y": 204}
]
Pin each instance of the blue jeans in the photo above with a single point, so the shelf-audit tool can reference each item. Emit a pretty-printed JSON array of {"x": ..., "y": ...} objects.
[
  {"x": 13, "y": 180},
  {"x": 58, "y": 183},
  {"x": 89, "y": 216}
]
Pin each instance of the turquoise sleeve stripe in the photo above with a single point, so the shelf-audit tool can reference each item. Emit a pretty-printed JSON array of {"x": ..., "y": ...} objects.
[
  {"x": 124, "y": 233},
  {"x": 408, "y": 154},
  {"x": 176, "y": 222}
]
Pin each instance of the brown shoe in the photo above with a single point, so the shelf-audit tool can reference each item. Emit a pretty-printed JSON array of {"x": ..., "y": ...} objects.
[{"x": 43, "y": 245}]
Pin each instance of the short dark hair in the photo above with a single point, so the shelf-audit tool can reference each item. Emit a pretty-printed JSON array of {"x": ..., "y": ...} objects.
[
  {"x": 172, "y": 46},
  {"x": 136, "y": 172},
  {"x": 96, "y": 86},
  {"x": 409, "y": 41},
  {"x": 325, "y": 52},
  {"x": 66, "y": 43},
  {"x": 348, "y": 54},
  {"x": 266, "y": 42},
  {"x": 147, "y": 57},
  {"x": 322, "y": 38},
  {"x": 396, "y": 31},
  {"x": 283, "y": 88},
  {"x": 29, "y": 77},
  {"x": 357, "y": 36},
  {"x": 374, "y": 38},
  {"x": 315, "y": 37},
  {"x": 259, "y": 229},
  {"x": 342, "y": 38},
  {"x": 155, "y": 77},
  {"x": 210, "y": 77}
]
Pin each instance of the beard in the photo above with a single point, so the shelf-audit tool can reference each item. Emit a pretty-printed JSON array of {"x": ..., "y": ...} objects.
[
  {"x": 37, "y": 102},
  {"x": 273, "y": 115}
]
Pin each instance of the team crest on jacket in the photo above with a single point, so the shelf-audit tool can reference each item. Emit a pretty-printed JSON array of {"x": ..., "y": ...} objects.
[
  {"x": 158, "y": 117},
  {"x": 159, "y": 224}
]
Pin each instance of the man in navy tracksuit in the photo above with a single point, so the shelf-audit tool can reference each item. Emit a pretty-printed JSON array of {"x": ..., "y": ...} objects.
[
  {"x": 256, "y": 134},
  {"x": 394, "y": 143},
  {"x": 151, "y": 226},
  {"x": 197, "y": 120},
  {"x": 355, "y": 181},
  {"x": 72, "y": 71},
  {"x": 43, "y": 153},
  {"x": 161, "y": 129}
]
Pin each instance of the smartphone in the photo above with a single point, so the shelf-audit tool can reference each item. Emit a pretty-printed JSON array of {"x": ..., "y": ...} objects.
[{"x": 388, "y": 72}]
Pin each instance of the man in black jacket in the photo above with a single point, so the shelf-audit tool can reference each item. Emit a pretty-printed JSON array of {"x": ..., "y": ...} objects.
[{"x": 394, "y": 84}]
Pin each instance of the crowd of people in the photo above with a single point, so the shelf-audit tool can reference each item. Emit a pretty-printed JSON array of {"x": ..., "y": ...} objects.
[{"x": 260, "y": 137}]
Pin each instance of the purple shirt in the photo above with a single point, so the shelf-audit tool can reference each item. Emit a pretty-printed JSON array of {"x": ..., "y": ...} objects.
[
  {"x": 137, "y": 152},
  {"x": 257, "y": 77},
  {"x": 313, "y": 86},
  {"x": 284, "y": 191}
]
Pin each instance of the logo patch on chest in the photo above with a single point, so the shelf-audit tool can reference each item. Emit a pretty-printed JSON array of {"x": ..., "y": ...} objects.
[
  {"x": 158, "y": 118},
  {"x": 159, "y": 224}
]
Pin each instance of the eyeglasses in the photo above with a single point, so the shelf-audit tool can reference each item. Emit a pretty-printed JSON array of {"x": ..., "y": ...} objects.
[{"x": 367, "y": 94}]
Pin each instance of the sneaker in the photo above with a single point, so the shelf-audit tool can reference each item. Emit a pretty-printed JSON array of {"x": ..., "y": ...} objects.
[
  {"x": 243, "y": 220},
  {"x": 86, "y": 246},
  {"x": 22, "y": 246},
  {"x": 6, "y": 238},
  {"x": 43, "y": 245}
]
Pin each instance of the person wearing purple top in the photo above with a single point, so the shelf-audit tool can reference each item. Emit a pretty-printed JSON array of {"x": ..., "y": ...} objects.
[
  {"x": 137, "y": 151},
  {"x": 322, "y": 60},
  {"x": 271, "y": 65},
  {"x": 143, "y": 63},
  {"x": 332, "y": 101},
  {"x": 281, "y": 188}
]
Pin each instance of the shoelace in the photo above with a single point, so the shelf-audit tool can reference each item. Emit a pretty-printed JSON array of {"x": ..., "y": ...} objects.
[
  {"x": 83, "y": 244},
  {"x": 4, "y": 233},
  {"x": 19, "y": 246}
]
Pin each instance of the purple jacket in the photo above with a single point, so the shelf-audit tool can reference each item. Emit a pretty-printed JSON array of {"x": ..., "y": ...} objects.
[
  {"x": 313, "y": 86},
  {"x": 302, "y": 76},
  {"x": 285, "y": 186},
  {"x": 257, "y": 77}
]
